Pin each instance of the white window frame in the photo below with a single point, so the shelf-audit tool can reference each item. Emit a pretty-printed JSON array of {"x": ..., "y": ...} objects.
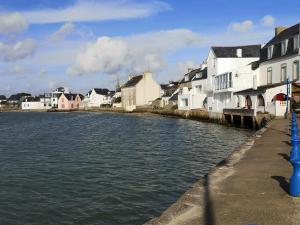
[
  {"x": 269, "y": 75},
  {"x": 270, "y": 51},
  {"x": 283, "y": 72},
  {"x": 284, "y": 45},
  {"x": 296, "y": 42},
  {"x": 296, "y": 71}
]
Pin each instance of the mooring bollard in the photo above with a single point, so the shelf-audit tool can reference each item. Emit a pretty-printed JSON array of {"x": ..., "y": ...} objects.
[{"x": 295, "y": 179}]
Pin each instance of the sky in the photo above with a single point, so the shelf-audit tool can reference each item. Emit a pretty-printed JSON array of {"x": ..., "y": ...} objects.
[{"x": 85, "y": 44}]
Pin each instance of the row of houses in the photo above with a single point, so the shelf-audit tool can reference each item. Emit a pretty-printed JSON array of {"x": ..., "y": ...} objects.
[
  {"x": 232, "y": 82},
  {"x": 244, "y": 81}
]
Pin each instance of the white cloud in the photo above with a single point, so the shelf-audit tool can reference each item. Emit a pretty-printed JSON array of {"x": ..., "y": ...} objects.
[
  {"x": 242, "y": 26},
  {"x": 132, "y": 54},
  {"x": 65, "y": 30},
  {"x": 12, "y": 23},
  {"x": 20, "y": 50},
  {"x": 267, "y": 21},
  {"x": 92, "y": 10}
]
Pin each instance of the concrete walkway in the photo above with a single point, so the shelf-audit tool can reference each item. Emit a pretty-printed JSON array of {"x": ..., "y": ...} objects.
[{"x": 250, "y": 187}]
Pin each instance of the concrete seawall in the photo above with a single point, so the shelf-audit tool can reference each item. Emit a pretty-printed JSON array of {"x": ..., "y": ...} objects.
[{"x": 250, "y": 186}]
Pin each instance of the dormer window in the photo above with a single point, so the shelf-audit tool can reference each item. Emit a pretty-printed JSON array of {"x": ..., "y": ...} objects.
[
  {"x": 296, "y": 42},
  {"x": 270, "y": 51},
  {"x": 284, "y": 47},
  {"x": 198, "y": 75},
  {"x": 186, "y": 78}
]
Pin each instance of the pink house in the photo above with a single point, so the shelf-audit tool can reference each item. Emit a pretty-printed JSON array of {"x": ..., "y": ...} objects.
[{"x": 69, "y": 101}]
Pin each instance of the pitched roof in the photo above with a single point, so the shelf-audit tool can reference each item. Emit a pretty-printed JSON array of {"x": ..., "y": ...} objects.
[
  {"x": 174, "y": 97},
  {"x": 101, "y": 91},
  {"x": 193, "y": 73},
  {"x": 276, "y": 41},
  {"x": 285, "y": 34},
  {"x": 248, "y": 51},
  {"x": 2, "y": 97},
  {"x": 70, "y": 97},
  {"x": 260, "y": 89},
  {"x": 133, "y": 81},
  {"x": 17, "y": 97},
  {"x": 164, "y": 86}
]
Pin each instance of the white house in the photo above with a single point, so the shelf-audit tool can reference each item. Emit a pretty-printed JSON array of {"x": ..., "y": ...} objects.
[
  {"x": 36, "y": 103},
  {"x": 98, "y": 97},
  {"x": 56, "y": 94},
  {"x": 279, "y": 61},
  {"x": 139, "y": 91},
  {"x": 229, "y": 69},
  {"x": 193, "y": 92},
  {"x": 167, "y": 91}
]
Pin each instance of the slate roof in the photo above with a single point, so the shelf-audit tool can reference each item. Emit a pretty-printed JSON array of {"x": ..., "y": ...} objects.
[
  {"x": 70, "y": 97},
  {"x": 260, "y": 89},
  {"x": 133, "y": 81},
  {"x": 174, "y": 97},
  {"x": 164, "y": 86},
  {"x": 17, "y": 97},
  {"x": 101, "y": 91},
  {"x": 191, "y": 75},
  {"x": 248, "y": 51},
  {"x": 2, "y": 97},
  {"x": 288, "y": 33},
  {"x": 32, "y": 99}
]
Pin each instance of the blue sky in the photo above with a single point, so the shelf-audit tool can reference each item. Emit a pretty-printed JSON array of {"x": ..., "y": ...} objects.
[{"x": 83, "y": 44}]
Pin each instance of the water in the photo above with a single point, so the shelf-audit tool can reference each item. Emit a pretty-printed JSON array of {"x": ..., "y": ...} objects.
[{"x": 110, "y": 169}]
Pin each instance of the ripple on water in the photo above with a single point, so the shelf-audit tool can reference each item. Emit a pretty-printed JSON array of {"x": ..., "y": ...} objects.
[{"x": 86, "y": 168}]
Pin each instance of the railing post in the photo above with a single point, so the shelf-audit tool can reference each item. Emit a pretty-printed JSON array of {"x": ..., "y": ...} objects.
[{"x": 295, "y": 159}]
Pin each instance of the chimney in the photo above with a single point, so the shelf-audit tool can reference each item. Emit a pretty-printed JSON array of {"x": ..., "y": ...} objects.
[
  {"x": 278, "y": 30},
  {"x": 147, "y": 74},
  {"x": 130, "y": 77},
  {"x": 239, "y": 52}
]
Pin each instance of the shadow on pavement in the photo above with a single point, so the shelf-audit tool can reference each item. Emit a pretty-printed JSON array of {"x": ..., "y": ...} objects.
[
  {"x": 209, "y": 217},
  {"x": 285, "y": 156},
  {"x": 282, "y": 182}
]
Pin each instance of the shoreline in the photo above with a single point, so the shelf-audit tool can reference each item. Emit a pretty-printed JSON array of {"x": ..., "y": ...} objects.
[
  {"x": 190, "y": 205},
  {"x": 196, "y": 115}
]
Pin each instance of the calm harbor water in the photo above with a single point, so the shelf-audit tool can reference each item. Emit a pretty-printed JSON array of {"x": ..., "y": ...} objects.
[{"x": 110, "y": 169}]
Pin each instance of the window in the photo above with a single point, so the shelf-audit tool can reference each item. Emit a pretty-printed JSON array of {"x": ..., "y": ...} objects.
[
  {"x": 283, "y": 72},
  {"x": 260, "y": 100},
  {"x": 199, "y": 75},
  {"x": 186, "y": 78},
  {"x": 230, "y": 80},
  {"x": 296, "y": 42},
  {"x": 63, "y": 106},
  {"x": 284, "y": 47},
  {"x": 185, "y": 102},
  {"x": 72, "y": 105},
  {"x": 269, "y": 75},
  {"x": 198, "y": 89},
  {"x": 270, "y": 51},
  {"x": 296, "y": 70},
  {"x": 62, "y": 100}
]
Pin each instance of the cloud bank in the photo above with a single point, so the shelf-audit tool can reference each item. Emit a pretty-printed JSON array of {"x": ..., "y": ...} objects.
[
  {"x": 132, "y": 54},
  {"x": 12, "y": 23},
  {"x": 17, "y": 51},
  {"x": 91, "y": 10}
]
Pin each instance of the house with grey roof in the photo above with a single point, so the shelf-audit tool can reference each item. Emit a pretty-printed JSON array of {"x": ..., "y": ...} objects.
[
  {"x": 98, "y": 97},
  {"x": 229, "y": 69},
  {"x": 139, "y": 91},
  {"x": 278, "y": 68},
  {"x": 192, "y": 96}
]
